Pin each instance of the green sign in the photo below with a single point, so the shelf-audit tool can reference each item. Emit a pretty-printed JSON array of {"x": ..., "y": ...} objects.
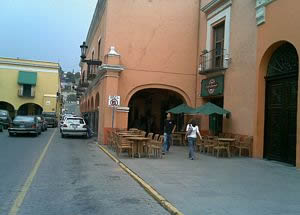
[{"x": 212, "y": 86}]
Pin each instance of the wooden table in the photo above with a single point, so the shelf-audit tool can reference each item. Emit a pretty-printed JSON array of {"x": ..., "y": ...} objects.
[
  {"x": 138, "y": 144},
  {"x": 226, "y": 141},
  {"x": 182, "y": 133}
]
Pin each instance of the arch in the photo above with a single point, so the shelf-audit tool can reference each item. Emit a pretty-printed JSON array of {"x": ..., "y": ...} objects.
[
  {"x": 258, "y": 146},
  {"x": 92, "y": 104},
  {"x": 148, "y": 106},
  {"x": 9, "y": 107},
  {"x": 97, "y": 101},
  {"x": 30, "y": 109},
  {"x": 158, "y": 86},
  {"x": 269, "y": 71},
  {"x": 281, "y": 104}
]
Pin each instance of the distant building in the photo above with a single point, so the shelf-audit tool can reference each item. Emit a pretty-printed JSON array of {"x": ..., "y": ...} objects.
[{"x": 29, "y": 87}]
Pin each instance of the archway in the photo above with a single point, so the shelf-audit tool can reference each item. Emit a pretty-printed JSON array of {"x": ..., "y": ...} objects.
[
  {"x": 281, "y": 105},
  {"x": 30, "y": 109},
  {"x": 147, "y": 109},
  {"x": 92, "y": 104},
  {"x": 9, "y": 107}
]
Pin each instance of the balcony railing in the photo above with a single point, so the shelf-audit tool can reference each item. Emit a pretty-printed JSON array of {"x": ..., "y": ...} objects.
[{"x": 213, "y": 61}]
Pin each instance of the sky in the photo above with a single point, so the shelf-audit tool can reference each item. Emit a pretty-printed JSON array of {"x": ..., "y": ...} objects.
[{"x": 46, "y": 30}]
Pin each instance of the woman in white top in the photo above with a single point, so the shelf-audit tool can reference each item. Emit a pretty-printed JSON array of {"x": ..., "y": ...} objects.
[{"x": 192, "y": 131}]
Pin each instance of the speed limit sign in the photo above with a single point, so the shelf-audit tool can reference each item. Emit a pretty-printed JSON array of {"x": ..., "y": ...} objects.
[{"x": 114, "y": 101}]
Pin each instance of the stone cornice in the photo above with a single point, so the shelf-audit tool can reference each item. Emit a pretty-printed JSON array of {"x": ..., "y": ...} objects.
[{"x": 210, "y": 5}]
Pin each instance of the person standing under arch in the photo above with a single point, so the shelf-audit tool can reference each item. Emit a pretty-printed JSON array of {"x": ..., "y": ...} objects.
[{"x": 169, "y": 128}]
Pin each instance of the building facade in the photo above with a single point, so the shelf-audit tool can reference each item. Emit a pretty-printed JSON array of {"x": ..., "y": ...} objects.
[
  {"x": 240, "y": 55},
  {"x": 149, "y": 61},
  {"x": 29, "y": 87}
]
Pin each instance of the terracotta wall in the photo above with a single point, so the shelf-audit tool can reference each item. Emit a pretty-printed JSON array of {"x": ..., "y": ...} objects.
[
  {"x": 281, "y": 25},
  {"x": 239, "y": 78},
  {"x": 157, "y": 42}
]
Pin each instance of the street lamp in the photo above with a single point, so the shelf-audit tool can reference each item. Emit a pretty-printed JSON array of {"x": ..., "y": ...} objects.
[{"x": 83, "y": 48}]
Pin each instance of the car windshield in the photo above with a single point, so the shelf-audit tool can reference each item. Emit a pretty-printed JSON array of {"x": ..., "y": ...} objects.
[
  {"x": 75, "y": 121},
  {"x": 24, "y": 118},
  {"x": 2, "y": 113}
]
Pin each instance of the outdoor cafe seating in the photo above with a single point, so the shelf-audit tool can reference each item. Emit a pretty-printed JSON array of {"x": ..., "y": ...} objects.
[{"x": 134, "y": 143}]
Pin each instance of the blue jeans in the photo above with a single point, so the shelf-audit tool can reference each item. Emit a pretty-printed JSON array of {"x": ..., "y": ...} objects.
[
  {"x": 192, "y": 143},
  {"x": 167, "y": 140}
]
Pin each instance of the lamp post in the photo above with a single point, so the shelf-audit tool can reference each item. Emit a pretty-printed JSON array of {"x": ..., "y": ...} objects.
[{"x": 91, "y": 62}]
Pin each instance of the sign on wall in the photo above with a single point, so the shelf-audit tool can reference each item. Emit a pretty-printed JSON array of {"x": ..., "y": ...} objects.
[
  {"x": 114, "y": 101},
  {"x": 212, "y": 86}
]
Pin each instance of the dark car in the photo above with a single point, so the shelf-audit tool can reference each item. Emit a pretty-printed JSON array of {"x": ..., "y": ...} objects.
[
  {"x": 5, "y": 118},
  {"x": 25, "y": 125},
  {"x": 42, "y": 122},
  {"x": 1, "y": 126},
  {"x": 50, "y": 118}
]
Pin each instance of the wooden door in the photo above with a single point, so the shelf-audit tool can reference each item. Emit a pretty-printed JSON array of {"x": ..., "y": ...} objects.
[{"x": 281, "y": 119}]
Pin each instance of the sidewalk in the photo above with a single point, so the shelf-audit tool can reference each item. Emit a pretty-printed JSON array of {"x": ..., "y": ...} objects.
[{"x": 210, "y": 185}]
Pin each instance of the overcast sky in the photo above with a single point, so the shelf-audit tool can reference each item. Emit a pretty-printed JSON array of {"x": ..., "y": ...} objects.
[{"x": 49, "y": 30}]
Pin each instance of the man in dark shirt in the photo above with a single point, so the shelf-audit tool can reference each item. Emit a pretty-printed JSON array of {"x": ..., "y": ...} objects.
[{"x": 169, "y": 128}]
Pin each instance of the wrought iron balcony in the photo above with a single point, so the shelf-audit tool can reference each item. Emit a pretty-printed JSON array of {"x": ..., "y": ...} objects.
[{"x": 213, "y": 61}]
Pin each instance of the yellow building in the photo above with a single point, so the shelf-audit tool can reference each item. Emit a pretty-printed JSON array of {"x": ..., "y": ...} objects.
[{"x": 29, "y": 87}]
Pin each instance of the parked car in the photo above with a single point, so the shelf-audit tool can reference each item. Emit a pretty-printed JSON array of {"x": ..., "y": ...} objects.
[
  {"x": 5, "y": 118},
  {"x": 1, "y": 126},
  {"x": 74, "y": 126},
  {"x": 42, "y": 123},
  {"x": 25, "y": 125},
  {"x": 50, "y": 118}
]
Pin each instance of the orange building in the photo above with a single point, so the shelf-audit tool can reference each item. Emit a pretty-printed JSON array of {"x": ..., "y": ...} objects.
[
  {"x": 149, "y": 58},
  {"x": 156, "y": 54}
]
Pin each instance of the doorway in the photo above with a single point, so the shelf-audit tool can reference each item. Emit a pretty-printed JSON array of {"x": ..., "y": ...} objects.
[{"x": 281, "y": 105}]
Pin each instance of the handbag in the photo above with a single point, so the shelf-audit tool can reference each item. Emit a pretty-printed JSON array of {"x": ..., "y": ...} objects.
[{"x": 190, "y": 130}]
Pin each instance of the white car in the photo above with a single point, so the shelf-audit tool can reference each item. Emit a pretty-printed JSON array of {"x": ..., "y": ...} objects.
[{"x": 74, "y": 126}]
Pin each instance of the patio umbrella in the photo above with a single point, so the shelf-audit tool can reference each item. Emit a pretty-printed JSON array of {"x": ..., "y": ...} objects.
[
  {"x": 210, "y": 108},
  {"x": 183, "y": 108}
]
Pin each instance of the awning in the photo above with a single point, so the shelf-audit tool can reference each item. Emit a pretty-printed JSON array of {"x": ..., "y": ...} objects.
[
  {"x": 183, "y": 108},
  {"x": 210, "y": 108},
  {"x": 27, "y": 78}
]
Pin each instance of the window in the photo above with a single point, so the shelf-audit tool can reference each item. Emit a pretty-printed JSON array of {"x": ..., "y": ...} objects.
[
  {"x": 26, "y": 90},
  {"x": 99, "y": 47},
  {"x": 218, "y": 44}
]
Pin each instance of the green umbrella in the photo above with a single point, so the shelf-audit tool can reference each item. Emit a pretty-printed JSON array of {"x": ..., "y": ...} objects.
[
  {"x": 183, "y": 108},
  {"x": 210, "y": 108}
]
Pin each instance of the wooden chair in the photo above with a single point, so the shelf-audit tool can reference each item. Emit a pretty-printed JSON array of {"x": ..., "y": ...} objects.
[
  {"x": 123, "y": 144},
  {"x": 246, "y": 145},
  {"x": 150, "y": 135},
  {"x": 155, "y": 147},
  {"x": 209, "y": 144},
  {"x": 155, "y": 136},
  {"x": 223, "y": 147},
  {"x": 176, "y": 139},
  {"x": 200, "y": 143},
  {"x": 143, "y": 133}
]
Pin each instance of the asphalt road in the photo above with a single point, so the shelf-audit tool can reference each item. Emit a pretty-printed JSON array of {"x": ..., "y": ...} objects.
[{"x": 73, "y": 178}]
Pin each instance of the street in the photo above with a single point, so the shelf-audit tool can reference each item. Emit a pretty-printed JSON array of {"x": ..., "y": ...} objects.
[{"x": 74, "y": 177}]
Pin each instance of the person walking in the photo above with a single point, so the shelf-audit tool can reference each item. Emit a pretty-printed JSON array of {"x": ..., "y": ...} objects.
[
  {"x": 169, "y": 128},
  {"x": 192, "y": 131}
]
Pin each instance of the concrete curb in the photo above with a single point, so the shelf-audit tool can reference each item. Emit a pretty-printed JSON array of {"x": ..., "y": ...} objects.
[{"x": 158, "y": 197}]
